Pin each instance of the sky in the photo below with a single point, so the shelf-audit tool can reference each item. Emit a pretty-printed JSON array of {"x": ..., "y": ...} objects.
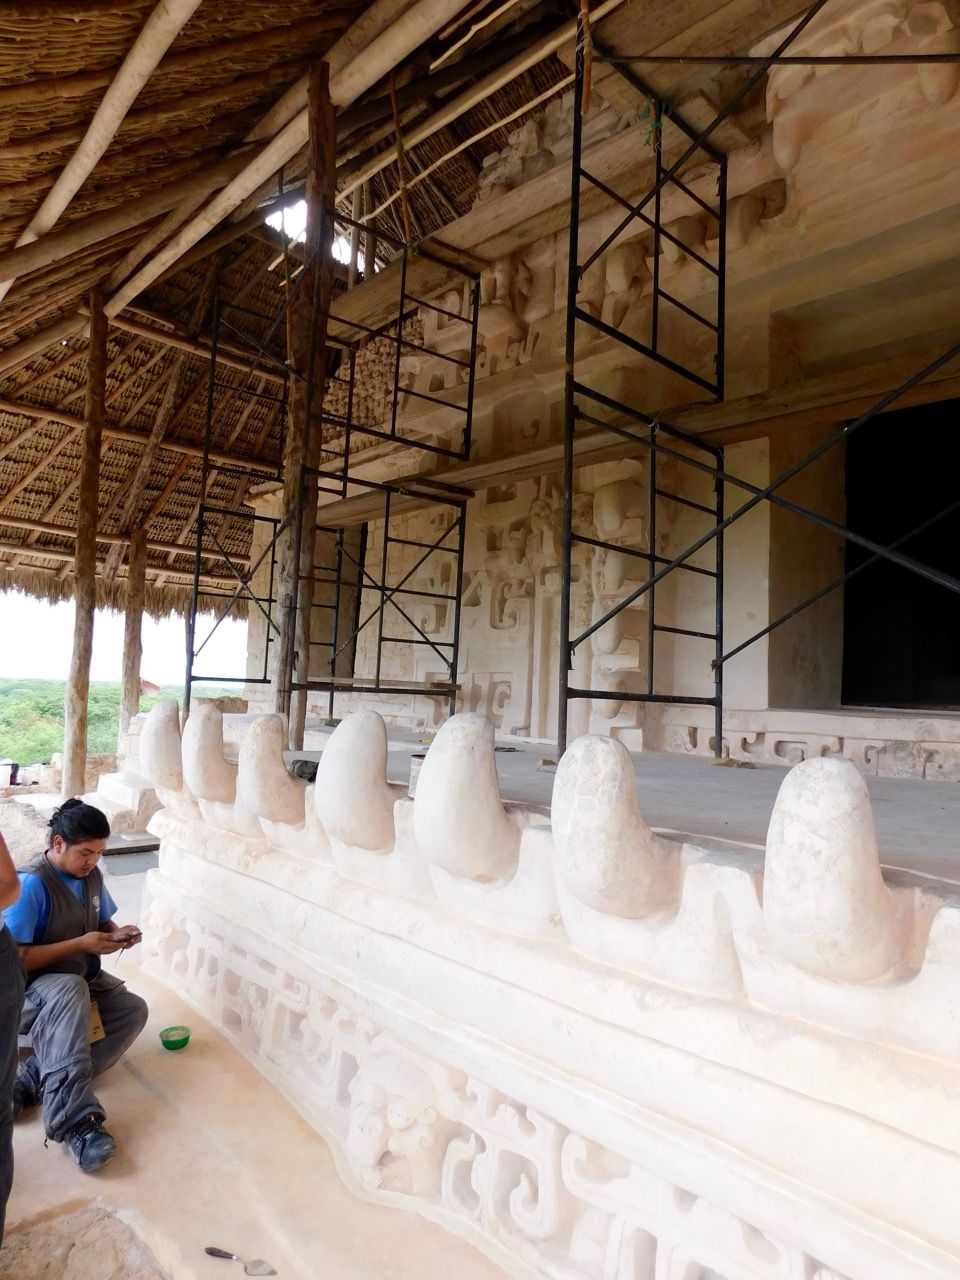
[
  {"x": 36, "y": 639},
  {"x": 294, "y": 222}
]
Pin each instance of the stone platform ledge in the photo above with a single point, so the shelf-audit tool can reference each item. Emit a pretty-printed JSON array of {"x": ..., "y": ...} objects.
[
  {"x": 768, "y": 1042},
  {"x": 881, "y": 743},
  {"x": 211, "y": 1153}
]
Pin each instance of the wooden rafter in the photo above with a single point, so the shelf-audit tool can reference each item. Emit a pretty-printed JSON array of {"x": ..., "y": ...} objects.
[
  {"x": 119, "y": 215},
  {"x": 29, "y": 476},
  {"x": 228, "y": 353},
  {"x": 135, "y": 481},
  {"x": 204, "y": 59},
  {"x": 137, "y": 437},
  {"x": 109, "y": 539},
  {"x": 242, "y": 484}
]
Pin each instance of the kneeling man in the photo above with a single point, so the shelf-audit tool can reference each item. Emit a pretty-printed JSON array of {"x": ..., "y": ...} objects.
[{"x": 80, "y": 1019}]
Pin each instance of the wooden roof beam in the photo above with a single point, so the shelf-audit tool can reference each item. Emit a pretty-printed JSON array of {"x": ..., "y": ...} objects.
[
  {"x": 130, "y": 213},
  {"x": 135, "y": 481},
  {"x": 109, "y": 539},
  {"x": 227, "y": 353},
  {"x": 40, "y": 341},
  {"x": 137, "y": 437},
  {"x": 66, "y": 557},
  {"x": 159, "y": 32},
  {"x": 203, "y": 58},
  {"x": 356, "y": 62}
]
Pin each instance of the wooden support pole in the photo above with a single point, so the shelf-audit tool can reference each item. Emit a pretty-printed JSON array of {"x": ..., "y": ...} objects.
[
  {"x": 85, "y": 562},
  {"x": 370, "y": 238},
  {"x": 132, "y": 629},
  {"x": 308, "y": 335}
]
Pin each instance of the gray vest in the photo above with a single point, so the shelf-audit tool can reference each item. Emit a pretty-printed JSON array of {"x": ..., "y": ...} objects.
[{"x": 69, "y": 918}]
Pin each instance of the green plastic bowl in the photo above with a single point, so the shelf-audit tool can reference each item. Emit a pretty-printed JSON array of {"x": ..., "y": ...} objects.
[{"x": 175, "y": 1037}]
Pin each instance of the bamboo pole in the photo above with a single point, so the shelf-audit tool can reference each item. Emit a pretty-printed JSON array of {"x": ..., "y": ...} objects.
[
  {"x": 85, "y": 563},
  {"x": 120, "y": 217},
  {"x": 132, "y": 631},
  {"x": 407, "y": 32},
  {"x": 159, "y": 32}
]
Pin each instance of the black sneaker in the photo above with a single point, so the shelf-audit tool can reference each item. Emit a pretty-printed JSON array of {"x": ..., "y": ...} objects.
[
  {"x": 24, "y": 1094},
  {"x": 91, "y": 1145}
]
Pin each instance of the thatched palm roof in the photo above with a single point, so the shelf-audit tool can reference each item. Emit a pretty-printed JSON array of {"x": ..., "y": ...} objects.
[
  {"x": 227, "y": 66},
  {"x": 183, "y": 136}
]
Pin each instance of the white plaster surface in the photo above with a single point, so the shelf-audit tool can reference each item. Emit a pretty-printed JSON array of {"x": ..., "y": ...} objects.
[
  {"x": 597, "y": 1079},
  {"x": 824, "y": 900},
  {"x": 211, "y": 1153}
]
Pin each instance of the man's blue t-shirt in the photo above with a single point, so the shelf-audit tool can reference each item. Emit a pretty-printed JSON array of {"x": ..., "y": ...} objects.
[{"x": 27, "y": 918}]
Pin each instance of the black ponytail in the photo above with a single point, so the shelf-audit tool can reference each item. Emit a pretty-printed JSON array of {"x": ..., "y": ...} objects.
[{"x": 76, "y": 821}]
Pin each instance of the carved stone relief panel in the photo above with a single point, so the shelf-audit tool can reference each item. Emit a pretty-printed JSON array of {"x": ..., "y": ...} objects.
[
  {"x": 442, "y": 1140},
  {"x": 800, "y": 99}
]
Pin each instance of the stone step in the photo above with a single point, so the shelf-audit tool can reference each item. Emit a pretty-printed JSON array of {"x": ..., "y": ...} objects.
[
  {"x": 128, "y": 800},
  {"x": 126, "y": 789}
]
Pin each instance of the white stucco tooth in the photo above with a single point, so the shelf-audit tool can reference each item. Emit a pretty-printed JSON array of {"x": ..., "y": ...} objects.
[
  {"x": 264, "y": 783},
  {"x": 353, "y": 799},
  {"x": 606, "y": 853},
  {"x": 208, "y": 775},
  {"x": 459, "y": 819},
  {"x": 825, "y": 905},
  {"x": 160, "y": 749}
]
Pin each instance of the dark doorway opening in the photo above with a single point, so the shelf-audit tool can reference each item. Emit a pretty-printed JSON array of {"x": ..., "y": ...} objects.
[{"x": 902, "y": 632}]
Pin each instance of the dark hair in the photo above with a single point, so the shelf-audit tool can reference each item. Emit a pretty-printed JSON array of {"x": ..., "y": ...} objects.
[{"x": 76, "y": 821}]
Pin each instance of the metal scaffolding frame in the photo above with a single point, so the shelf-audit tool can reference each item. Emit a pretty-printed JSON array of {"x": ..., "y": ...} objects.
[
  {"x": 345, "y": 571},
  {"x": 338, "y": 476},
  {"x": 648, "y": 431},
  {"x": 212, "y": 517},
  {"x": 583, "y": 403}
]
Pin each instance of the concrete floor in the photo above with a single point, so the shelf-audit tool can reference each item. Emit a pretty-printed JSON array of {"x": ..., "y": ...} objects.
[
  {"x": 918, "y": 822},
  {"x": 211, "y": 1153}
]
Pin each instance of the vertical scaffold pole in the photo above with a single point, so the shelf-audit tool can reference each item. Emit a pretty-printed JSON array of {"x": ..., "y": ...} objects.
[{"x": 570, "y": 405}]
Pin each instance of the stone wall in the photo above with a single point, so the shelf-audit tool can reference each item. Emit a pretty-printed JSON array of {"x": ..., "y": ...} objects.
[
  {"x": 841, "y": 274},
  {"x": 599, "y": 1052}
]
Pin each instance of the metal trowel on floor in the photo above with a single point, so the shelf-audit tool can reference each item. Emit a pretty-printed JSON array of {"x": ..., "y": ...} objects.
[{"x": 255, "y": 1267}]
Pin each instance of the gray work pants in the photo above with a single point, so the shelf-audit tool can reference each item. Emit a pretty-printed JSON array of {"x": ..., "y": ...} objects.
[
  {"x": 56, "y": 1012},
  {"x": 11, "y": 999}
]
